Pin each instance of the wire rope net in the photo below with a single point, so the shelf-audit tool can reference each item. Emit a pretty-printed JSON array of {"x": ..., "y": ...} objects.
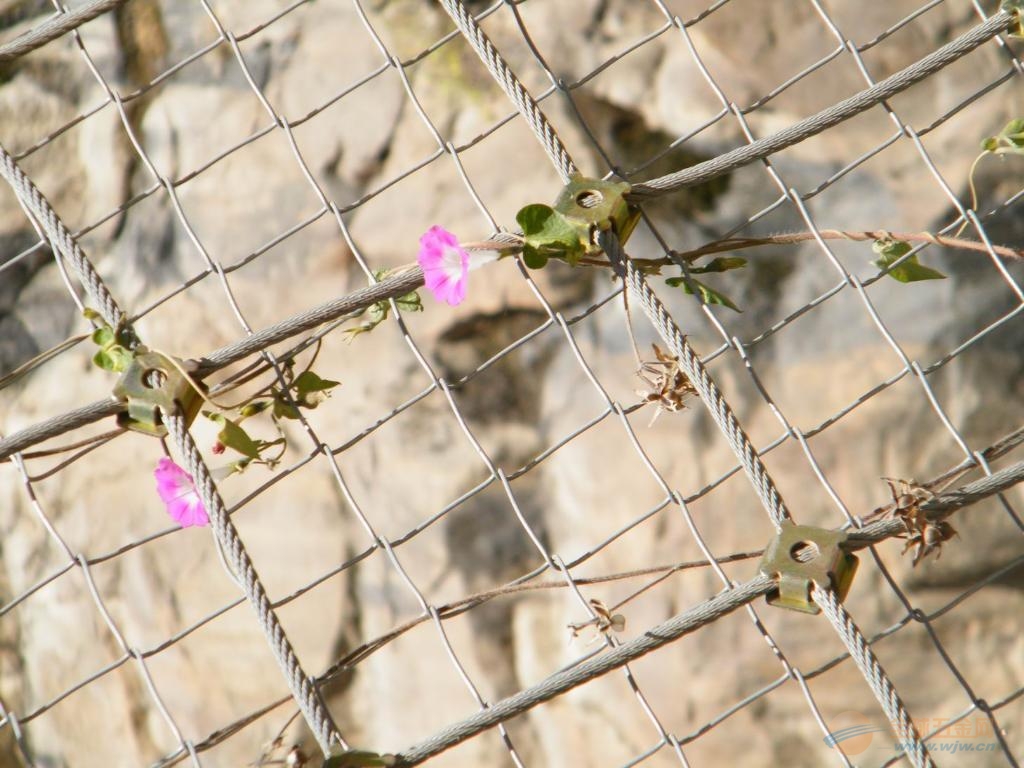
[{"x": 480, "y": 549}]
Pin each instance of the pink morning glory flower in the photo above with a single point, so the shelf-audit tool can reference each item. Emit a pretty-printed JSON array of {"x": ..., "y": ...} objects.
[
  {"x": 446, "y": 264},
  {"x": 178, "y": 492}
]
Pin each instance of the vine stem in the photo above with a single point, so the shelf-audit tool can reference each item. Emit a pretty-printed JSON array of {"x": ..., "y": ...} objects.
[
  {"x": 973, "y": 188},
  {"x": 790, "y": 238}
]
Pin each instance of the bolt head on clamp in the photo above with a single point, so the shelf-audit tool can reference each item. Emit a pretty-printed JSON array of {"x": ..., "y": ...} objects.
[
  {"x": 143, "y": 399},
  {"x": 802, "y": 555},
  {"x": 598, "y": 205}
]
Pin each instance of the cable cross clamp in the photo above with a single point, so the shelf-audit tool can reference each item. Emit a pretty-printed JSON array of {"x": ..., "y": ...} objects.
[
  {"x": 801, "y": 556},
  {"x": 153, "y": 381},
  {"x": 569, "y": 231},
  {"x": 1016, "y": 9},
  {"x": 595, "y": 205}
]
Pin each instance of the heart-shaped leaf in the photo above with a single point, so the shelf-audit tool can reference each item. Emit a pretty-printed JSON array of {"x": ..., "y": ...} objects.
[
  {"x": 311, "y": 390},
  {"x": 547, "y": 233},
  {"x": 233, "y": 436},
  {"x": 910, "y": 270},
  {"x": 307, "y": 381}
]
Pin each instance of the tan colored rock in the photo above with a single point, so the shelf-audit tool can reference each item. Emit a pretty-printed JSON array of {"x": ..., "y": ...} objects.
[{"x": 582, "y": 502}]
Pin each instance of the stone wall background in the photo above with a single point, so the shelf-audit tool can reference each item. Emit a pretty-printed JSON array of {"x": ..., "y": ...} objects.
[{"x": 420, "y": 461}]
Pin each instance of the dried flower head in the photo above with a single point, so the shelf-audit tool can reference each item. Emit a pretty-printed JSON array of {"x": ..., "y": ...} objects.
[
  {"x": 669, "y": 385},
  {"x": 605, "y": 621},
  {"x": 923, "y": 535}
]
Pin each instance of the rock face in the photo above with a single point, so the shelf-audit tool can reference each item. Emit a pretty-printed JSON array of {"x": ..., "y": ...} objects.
[{"x": 586, "y": 485}]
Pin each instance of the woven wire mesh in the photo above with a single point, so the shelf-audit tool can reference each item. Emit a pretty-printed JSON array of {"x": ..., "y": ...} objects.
[{"x": 529, "y": 396}]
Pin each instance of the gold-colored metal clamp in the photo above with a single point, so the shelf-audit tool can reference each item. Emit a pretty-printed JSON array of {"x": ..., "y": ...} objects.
[
  {"x": 598, "y": 205},
  {"x": 802, "y": 555},
  {"x": 136, "y": 389},
  {"x": 1016, "y": 9}
]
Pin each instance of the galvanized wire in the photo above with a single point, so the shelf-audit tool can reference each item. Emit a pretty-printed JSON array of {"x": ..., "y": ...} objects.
[
  {"x": 509, "y": 83},
  {"x": 554, "y": 685},
  {"x": 698, "y": 375},
  {"x": 61, "y": 239},
  {"x": 827, "y": 599},
  {"x": 58, "y": 425},
  {"x": 844, "y": 110},
  {"x": 303, "y": 689},
  {"x": 943, "y": 505},
  {"x": 54, "y": 27},
  {"x": 308, "y": 321}
]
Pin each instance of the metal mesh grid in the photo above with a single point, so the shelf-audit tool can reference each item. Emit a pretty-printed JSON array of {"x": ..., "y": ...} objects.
[{"x": 611, "y": 418}]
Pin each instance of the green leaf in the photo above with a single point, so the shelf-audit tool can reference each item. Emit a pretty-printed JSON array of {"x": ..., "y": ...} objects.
[
  {"x": 411, "y": 302},
  {"x": 1014, "y": 131},
  {"x": 253, "y": 408},
  {"x": 533, "y": 258},
  {"x": 1010, "y": 140},
  {"x": 284, "y": 409},
  {"x": 535, "y": 218},
  {"x": 890, "y": 249},
  {"x": 308, "y": 381},
  {"x": 720, "y": 264},
  {"x": 114, "y": 358},
  {"x": 351, "y": 333},
  {"x": 708, "y": 295},
  {"x": 113, "y": 354},
  {"x": 102, "y": 360},
  {"x": 311, "y": 390},
  {"x": 233, "y": 436},
  {"x": 379, "y": 312},
  {"x": 359, "y": 758},
  {"x": 547, "y": 230},
  {"x": 104, "y": 336},
  {"x": 911, "y": 270}
]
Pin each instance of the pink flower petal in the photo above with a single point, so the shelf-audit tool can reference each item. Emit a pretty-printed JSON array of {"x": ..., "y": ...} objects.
[
  {"x": 445, "y": 265},
  {"x": 178, "y": 492}
]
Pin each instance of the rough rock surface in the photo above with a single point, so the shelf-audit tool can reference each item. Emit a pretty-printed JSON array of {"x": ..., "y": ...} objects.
[{"x": 421, "y": 461}]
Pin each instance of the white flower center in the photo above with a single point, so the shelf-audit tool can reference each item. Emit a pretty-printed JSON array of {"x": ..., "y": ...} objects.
[
  {"x": 451, "y": 262},
  {"x": 478, "y": 258}
]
